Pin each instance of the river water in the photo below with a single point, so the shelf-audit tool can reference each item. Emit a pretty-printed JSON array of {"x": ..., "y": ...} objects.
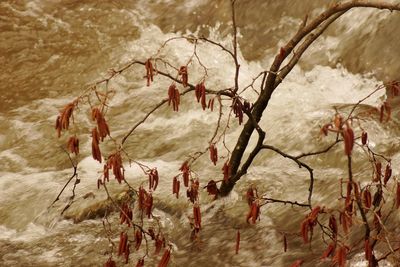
[{"x": 51, "y": 49}]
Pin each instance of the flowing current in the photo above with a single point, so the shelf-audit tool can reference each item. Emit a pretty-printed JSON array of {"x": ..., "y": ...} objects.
[{"x": 51, "y": 49}]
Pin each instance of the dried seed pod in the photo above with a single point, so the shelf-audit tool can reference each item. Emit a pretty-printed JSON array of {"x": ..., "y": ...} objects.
[
  {"x": 342, "y": 254},
  {"x": 153, "y": 179},
  {"x": 345, "y": 222},
  {"x": 102, "y": 125},
  {"x": 99, "y": 183},
  {"x": 325, "y": 129},
  {"x": 158, "y": 245},
  {"x": 140, "y": 263},
  {"x": 138, "y": 239},
  {"x": 197, "y": 91},
  {"x": 173, "y": 97},
  {"x": 185, "y": 169},
  {"x": 309, "y": 222},
  {"x": 123, "y": 239},
  {"x": 165, "y": 258},
  {"x": 254, "y": 212},
  {"x": 127, "y": 252},
  {"x": 184, "y": 75},
  {"x": 203, "y": 96},
  {"x": 95, "y": 113},
  {"x": 356, "y": 188},
  {"x": 148, "y": 205},
  {"x": 62, "y": 121},
  {"x": 151, "y": 182},
  {"x": 304, "y": 228},
  {"x": 378, "y": 171},
  {"x": 156, "y": 178},
  {"x": 106, "y": 173},
  {"x": 193, "y": 191},
  {"x": 377, "y": 197},
  {"x": 149, "y": 71},
  {"x": 367, "y": 198},
  {"x": 177, "y": 100},
  {"x": 237, "y": 242},
  {"x": 237, "y": 108},
  {"x": 142, "y": 198},
  {"x": 73, "y": 145},
  {"x": 175, "y": 187},
  {"x": 151, "y": 233},
  {"x": 329, "y": 251},
  {"x": 58, "y": 126},
  {"x": 123, "y": 215},
  {"x": 197, "y": 216},
  {"x": 364, "y": 138},
  {"x": 398, "y": 195},
  {"x": 95, "y": 145},
  {"x": 110, "y": 263},
  {"x": 250, "y": 195},
  {"x": 211, "y": 104},
  {"x": 338, "y": 121},
  {"x": 103, "y": 129},
  {"x": 333, "y": 225},
  {"x": 388, "y": 173},
  {"x": 314, "y": 213},
  {"x": 213, "y": 154},
  {"x": 349, "y": 188},
  {"x": 226, "y": 170},
  {"x": 114, "y": 162},
  {"x": 348, "y": 136}
]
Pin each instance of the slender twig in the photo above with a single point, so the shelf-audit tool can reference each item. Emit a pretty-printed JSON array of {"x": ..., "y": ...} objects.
[
  {"x": 300, "y": 163},
  {"x": 235, "y": 54},
  {"x": 74, "y": 175},
  {"x": 319, "y": 151},
  {"x": 293, "y": 203}
]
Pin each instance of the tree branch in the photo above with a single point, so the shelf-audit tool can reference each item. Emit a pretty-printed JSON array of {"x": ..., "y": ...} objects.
[{"x": 301, "y": 164}]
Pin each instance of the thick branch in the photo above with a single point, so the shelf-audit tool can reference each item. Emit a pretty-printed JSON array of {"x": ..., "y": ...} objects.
[
  {"x": 227, "y": 187},
  {"x": 318, "y": 25}
]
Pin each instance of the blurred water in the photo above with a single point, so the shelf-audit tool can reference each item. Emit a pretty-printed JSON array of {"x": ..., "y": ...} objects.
[{"x": 51, "y": 49}]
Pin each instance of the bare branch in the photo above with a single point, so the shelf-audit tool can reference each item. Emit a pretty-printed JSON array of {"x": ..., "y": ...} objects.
[
  {"x": 300, "y": 163},
  {"x": 319, "y": 151},
  {"x": 74, "y": 175},
  {"x": 293, "y": 203}
]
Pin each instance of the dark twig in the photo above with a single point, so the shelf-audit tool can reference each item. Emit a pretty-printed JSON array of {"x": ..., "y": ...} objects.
[
  {"x": 293, "y": 203},
  {"x": 74, "y": 175},
  {"x": 300, "y": 163}
]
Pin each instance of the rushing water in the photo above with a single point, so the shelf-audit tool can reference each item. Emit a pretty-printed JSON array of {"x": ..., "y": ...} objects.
[{"x": 51, "y": 49}]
